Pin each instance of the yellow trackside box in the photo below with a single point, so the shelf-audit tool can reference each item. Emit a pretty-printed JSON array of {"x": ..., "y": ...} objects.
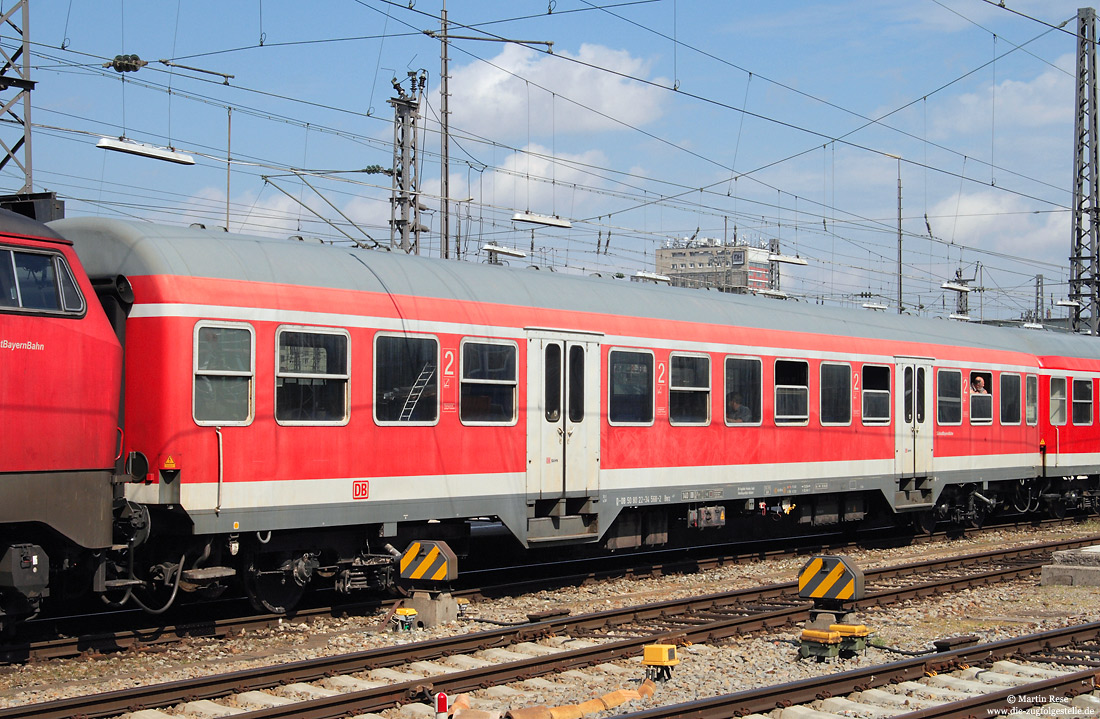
[
  {"x": 820, "y": 637},
  {"x": 858, "y": 631},
  {"x": 660, "y": 655}
]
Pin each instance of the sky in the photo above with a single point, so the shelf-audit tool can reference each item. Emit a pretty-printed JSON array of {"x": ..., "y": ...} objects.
[{"x": 647, "y": 122}]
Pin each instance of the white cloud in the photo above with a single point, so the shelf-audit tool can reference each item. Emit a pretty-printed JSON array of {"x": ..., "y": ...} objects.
[
  {"x": 998, "y": 221},
  {"x": 488, "y": 100},
  {"x": 1043, "y": 101}
]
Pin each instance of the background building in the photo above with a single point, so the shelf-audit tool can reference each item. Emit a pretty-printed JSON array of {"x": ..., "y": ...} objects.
[{"x": 735, "y": 266}]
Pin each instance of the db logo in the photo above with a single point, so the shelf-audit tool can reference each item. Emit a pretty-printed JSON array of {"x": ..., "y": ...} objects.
[{"x": 360, "y": 489}]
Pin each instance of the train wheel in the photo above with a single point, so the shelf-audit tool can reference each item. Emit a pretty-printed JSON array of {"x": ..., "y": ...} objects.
[
  {"x": 272, "y": 591},
  {"x": 925, "y": 522}
]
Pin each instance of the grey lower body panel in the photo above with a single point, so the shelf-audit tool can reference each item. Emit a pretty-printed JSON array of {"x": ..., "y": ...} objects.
[{"x": 75, "y": 504}]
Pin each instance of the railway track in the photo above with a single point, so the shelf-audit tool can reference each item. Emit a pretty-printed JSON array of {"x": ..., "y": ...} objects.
[
  {"x": 472, "y": 661},
  {"x": 1052, "y": 667},
  {"x": 71, "y": 639}
]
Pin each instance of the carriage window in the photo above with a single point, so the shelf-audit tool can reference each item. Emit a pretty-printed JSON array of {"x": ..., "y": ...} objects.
[
  {"x": 1031, "y": 400},
  {"x": 576, "y": 383},
  {"x": 836, "y": 394},
  {"x": 406, "y": 380},
  {"x": 1010, "y": 399},
  {"x": 1057, "y": 401},
  {"x": 981, "y": 402},
  {"x": 876, "y": 394},
  {"x": 311, "y": 379},
  {"x": 38, "y": 281},
  {"x": 743, "y": 390},
  {"x": 949, "y": 397},
  {"x": 631, "y": 387},
  {"x": 488, "y": 383},
  {"x": 792, "y": 391},
  {"x": 552, "y": 382},
  {"x": 689, "y": 389},
  {"x": 1082, "y": 401},
  {"x": 224, "y": 370}
]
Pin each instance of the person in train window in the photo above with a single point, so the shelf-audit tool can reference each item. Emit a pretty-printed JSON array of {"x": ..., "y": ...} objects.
[
  {"x": 977, "y": 385},
  {"x": 735, "y": 411}
]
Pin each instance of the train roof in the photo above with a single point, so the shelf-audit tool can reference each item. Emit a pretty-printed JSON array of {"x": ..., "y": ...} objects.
[
  {"x": 12, "y": 223},
  {"x": 109, "y": 247}
]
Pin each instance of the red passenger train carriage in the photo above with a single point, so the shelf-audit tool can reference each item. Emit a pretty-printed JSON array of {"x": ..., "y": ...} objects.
[{"x": 292, "y": 412}]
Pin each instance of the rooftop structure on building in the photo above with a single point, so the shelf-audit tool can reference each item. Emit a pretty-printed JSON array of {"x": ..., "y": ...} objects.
[{"x": 734, "y": 266}]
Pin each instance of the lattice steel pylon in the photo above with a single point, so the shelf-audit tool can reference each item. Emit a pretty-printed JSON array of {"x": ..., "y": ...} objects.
[
  {"x": 406, "y": 183},
  {"x": 16, "y": 73},
  {"x": 1083, "y": 266}
]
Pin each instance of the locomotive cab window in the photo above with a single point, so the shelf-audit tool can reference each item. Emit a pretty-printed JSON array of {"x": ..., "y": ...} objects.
[
  {"x": 224, "y": 365},
  {"x": 949, "y": 397},
  {"x": 1082, "y": 401},
  {"x": 876, "y": 394},
  {"x": 630, "y": 387},
  {"x": 1058, "y": 401},
  {"x": 836, "y": 394},
  {"x": 1031, "y": 400},
  {"x": 311, "y": 377},
  {"x": 489, "y": 383},
  {"x": 792, "y": 392},
  {"x": 38, "y": 282},
  {"x": 406, "y": 379},
  {"x": 1010, "y": 398},
  {"x": 689, "y": 389},
  {"x": 743, "y": 393},
  {"x": 981, "y": 402}
]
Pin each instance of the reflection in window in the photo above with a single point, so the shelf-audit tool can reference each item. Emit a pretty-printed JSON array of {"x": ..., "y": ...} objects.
[
  {"x": 488, "y": 383},
  {"x": 223, "y": 374},
  {"x": 311, "y": 381},
  {"x": 689, "y": 389},
  {"x": 1010, "y": 398},
  {"x": 949, "y": 397},
  {"x": 406, "y": 383},
  {"x": 743, "y": 377},
  {"x": 876, "y": 394},
  {"x": 38, "y": 281},
  {"x": 631, "y": 391},
  {"x": 1031, "y": 400},
  {"x": 836, "y": 394},
  {"x": 792, "y": 391},
  {"x": 1082, "y": 401},
  {"x": 1057, "y": 401}
]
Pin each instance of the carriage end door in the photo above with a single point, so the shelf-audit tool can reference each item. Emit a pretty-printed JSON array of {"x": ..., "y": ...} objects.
[
  {"x": 913, "y": 409},
  {"x": 563, "y": 381}
]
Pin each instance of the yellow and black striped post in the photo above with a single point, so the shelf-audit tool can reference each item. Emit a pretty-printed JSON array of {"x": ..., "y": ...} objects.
[
  {"x": 428, "y": 561},
  {"x": 829, "y": 579}
]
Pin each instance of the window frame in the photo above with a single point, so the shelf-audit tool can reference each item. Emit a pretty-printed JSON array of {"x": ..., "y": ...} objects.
[
  {"x": 705, "y": 390},
  {"x": 374, "y": 376},
  {"x": 940, "y": 397},
  {"x": 652, "y": 387},
  {"x": 251, "y": 374},
  {"x": 877, "y": 421},
  {"x": 1019, "y": 398},
  {"x": 346, "y": 376},
  {"x": 794, "y": 420},
  {"x": 821, "y": 394},
  {"x": 514, "y": 383},
  {"x": 1091, "y": 402},
  {"x": 1063, "y": 401},
  {"x": 1031, "y": 401},
  {"x": 759, "y": 389},
  {"x": 61, "y": 268},
  {"x": 984, "y": 421}
]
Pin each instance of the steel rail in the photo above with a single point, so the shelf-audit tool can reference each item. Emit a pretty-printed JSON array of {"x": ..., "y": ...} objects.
[
  {"x": 766, "y": 699},
  {"x": 113, "y": 703}
]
